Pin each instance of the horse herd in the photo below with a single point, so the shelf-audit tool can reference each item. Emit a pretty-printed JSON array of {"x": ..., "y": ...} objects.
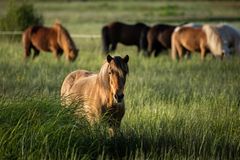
[
  {"x": 219, "y": 40},
  {"x": 101, "y": 95}
]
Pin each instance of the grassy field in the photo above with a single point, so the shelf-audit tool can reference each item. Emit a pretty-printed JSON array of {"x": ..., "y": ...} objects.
[{"x": 187, "y": 110}]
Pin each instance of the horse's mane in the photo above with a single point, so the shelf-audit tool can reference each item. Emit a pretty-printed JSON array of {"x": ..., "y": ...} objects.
[
  {"x": 214, "y": 40},
  {"x": 64, "y": 36},
  {"x": 103, "y": 75}
]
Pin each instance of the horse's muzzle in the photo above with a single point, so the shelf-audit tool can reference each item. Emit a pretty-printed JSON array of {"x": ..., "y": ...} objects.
[{"x": 119, "y": 97}]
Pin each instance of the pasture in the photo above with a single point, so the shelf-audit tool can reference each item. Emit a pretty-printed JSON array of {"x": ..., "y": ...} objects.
[{"x": 187, "y": 110}]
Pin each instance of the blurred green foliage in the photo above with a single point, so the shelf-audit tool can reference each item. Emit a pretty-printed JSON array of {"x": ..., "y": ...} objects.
[{"x": 19, "y": 16}]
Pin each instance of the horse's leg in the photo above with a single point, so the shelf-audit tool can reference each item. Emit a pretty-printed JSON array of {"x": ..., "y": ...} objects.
[
  {"x": 177, "y": 50},
  {"x": 55, "y": 52},
  {"x": 158, "y": 49},
  {"x": 180, "y": 52},
  {"x": 114, "y": 126},
  {"x": 150, "y": 47},
  {"x": 27, "y": 50},
  {"x": 203, "y": 51},
  {"x": 36, "y": 53},
  {"x": 138, "y": 49},
  {"x": 114, "y": 119},
  {"x": 113, "y": 47}
]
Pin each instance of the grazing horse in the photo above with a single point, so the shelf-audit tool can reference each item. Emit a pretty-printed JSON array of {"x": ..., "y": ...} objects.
[
  {"x": 188, "y": 39},
  {"x": 230, "y": 36},
  {"x": 204, "y": 39},
  {"x": 55, "y": 39},
  {"x": 159, "y": 38},
  {"x": 100, "y": 94},
  {"x": 117, "y": 32},
  {"x": 215, "y": 41}
]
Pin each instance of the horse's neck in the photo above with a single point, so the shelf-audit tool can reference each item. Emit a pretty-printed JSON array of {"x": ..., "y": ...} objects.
[{"x": 103, "y": 78}]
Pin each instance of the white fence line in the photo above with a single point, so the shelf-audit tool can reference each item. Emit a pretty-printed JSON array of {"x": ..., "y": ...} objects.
[{"x": 72, "y": 35}]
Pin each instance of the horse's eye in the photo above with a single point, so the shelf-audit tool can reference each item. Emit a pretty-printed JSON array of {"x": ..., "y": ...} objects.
[{"x": 109, "y": 72}]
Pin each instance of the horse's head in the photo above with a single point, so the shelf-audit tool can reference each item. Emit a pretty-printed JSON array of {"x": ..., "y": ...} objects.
[
  {"x": 117, "y": 71},
  {"x": 225, "y": 48},
  {"x": 72, "y": 54}
]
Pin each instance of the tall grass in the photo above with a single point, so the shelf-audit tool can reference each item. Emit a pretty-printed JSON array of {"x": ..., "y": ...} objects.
[{"x": 173, "y": 110}]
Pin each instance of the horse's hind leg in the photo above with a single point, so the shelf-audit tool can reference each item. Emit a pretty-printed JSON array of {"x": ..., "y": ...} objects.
[{"x": 27, "y": 50}]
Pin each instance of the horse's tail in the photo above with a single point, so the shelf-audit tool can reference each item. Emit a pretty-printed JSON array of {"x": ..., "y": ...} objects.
[
  {"x": 26, "y": 41},
  {"x": 173, "y": 45},
  {"x": 105, "y": 39},
  {"x": 143, "y": 40}
]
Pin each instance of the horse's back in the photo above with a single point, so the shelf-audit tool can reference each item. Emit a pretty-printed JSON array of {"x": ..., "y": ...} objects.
[
  {"x": 190, "y": 37},
  {"x": 128, "y": 34},
  {"x": 71, "y": 79},
  {"x": 42, "y": 38}
]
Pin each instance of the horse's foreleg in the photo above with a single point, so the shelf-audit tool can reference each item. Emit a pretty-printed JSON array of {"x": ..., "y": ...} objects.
[
  {"x": 150, "y": 47},
  {"x": 55, "y": 53},
  {"x": 113, "y": 47},
  {"x": 203, "y": 54},
  {"x": 203, "y": 51},
  {"x": 114, "y": 126},
  {"x": 36, "y": 53}
]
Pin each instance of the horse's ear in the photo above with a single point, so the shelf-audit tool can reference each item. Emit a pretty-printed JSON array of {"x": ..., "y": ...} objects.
[
  {"x": 126, "y": 59},
  {"x": 109, "y": 58}
]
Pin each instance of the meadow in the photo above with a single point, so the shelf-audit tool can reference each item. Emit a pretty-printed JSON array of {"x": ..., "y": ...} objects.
[{"x": 174, "y": 110}]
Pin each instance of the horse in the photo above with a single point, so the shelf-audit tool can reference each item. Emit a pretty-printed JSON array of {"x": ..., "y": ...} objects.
[
  {"x": 216, "y": 41},
  {"x": 188, "y": 39},
  {"x": 159, "y": 38},
  {"x": 101, "y": 94},
  {"x": 118, "y": 32},
  {"x": 230, "y": 36},
  {"x": 204, "y": 39},
  {"x": 54, "y": 39}
]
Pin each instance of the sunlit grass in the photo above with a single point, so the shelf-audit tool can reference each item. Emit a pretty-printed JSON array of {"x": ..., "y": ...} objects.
[{"x": 174, "y": 110}]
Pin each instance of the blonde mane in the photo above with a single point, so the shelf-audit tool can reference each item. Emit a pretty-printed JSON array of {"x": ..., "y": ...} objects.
[{"x": 214, "y": 40}]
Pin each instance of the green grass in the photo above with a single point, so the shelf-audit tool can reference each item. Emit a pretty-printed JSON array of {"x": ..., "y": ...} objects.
[
  {"x": 186, "y": 110},
  {"x": 173, "y": 110}
]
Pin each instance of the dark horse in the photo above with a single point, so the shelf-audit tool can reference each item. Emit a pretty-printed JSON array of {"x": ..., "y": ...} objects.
[
  {"x": 159, "y": 38},
  {"x": 117, "y": 32},
  {"x": 55, "y": 39}
]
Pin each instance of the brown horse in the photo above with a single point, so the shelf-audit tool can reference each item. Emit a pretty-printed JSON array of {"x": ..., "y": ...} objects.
[
  {"x": 55, "y": 39},
  {"x": 117, "y": 32},
  {"x": 188, "y": 39},
  {"x": 100, "y": 94},
  {"x": 159, "y": 38}
]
